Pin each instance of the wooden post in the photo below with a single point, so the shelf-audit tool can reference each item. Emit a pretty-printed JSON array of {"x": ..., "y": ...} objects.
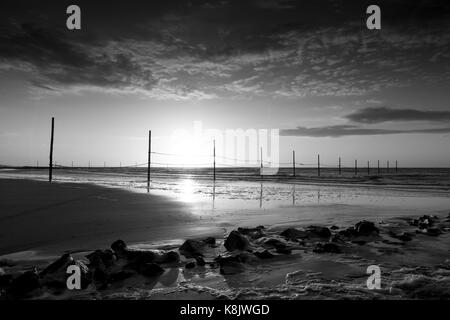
[
  {"x": 293, "y": 162},
  {"x": 261, "y": 164},
  {"x": 356, "y": 167},
  {"x": 378, "y": 167},
  {"x": 318, "y": 165},
  {"x": 50, "y": 167},
  {"x": 396, "y": 166},
  {"x": 339, "y": 165},
  {"x": 149, "y": 158},
  {"x": 214, "y": 153}
]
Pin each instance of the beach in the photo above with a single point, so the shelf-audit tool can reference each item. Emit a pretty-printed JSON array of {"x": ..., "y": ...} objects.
[{"x": 82, "y": 212}]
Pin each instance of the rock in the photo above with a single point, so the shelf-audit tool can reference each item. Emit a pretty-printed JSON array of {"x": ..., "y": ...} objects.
[
  {"x": 200, "y": 261},
  {"x": 334, "y": 227},
  {"x": 5, "y": 279},
  {"x": 232, "y": 264},
  {"x": 59, "y": 266},
  {"x": 119, "y": 247},
  {"x": 433, "y": 232},
  {"x": 55, "y": 275},
  {"x": 273, "y": 243},
  {"x": 236, "y": 241},
  {"x": 138, "y": 257},
  {"x": 284, "y": 250},
  {"x": 25, "y": 284},
  {"x": 293, "y": 234},
  {"x": 318, "y": 231},
  {"x": 120, "y": 276},
  {"x": 253, "y": 233},
  {"x": 102, "y": 259},
  {"x": 170, "y": 257},
  {"x": 190, "y": 265},
  {"x": 405, "y": 236},
  {"x": 424, "y": 221},
  {"x": 366, "y": 228},
  {"x": 329, "y": 247},
  {"x": 264, "y": 254},
  {"x": 348, "y": 233},
  {"x": 192, "y": 248},
  {"x": 150, "y": 270},
  {"x": 337, "y": 238},
  {"x": 210, "y": 241}
]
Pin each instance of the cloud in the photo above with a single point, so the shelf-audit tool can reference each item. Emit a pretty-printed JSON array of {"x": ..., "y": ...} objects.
[
  {"x": 384, "y": 114},
  {"x": 288, "y": 48},
  {"x": 351, "y": 130}
]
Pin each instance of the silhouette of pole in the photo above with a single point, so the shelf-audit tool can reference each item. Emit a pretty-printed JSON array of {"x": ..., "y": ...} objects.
[
  {"x": 149, "y": 158},
  {"x": 396, "y": 166},
  {"x": 261, "y": 165},
  {"x": 378, "y": 167},
  {"x": 293, "y": 162},
  {"x": 50, "y": 167},
  {"x": 214, "y": 153},
  {"x": 356, "y": 167},
  {"x": 339, "y": 165},
  {"x": 318, "y": 165}
]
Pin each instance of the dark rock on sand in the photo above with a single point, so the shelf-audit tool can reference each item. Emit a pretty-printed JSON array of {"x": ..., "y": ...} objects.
[
  {"x": 120, "y": 276},
  {"x": 264, "y": 254},
  {"x": 329, "y": 247},
  {"x": 433, "y": 232},
  {"x": 284, "y": 250},
  {"x": 200, "y": 261},
  {"x": 150, "y": 270},
  {"x": 25, "y": 284},
  {"x": 190, "y": 265},
  {"x": 337, "y": 238},
  {"x": 192, "y": 248},
  {"x": 139, "y": 257},
  {"x": 348, "y": 233},
  {"x": 253, "y": 233},
  {"x": 234, "y": 263},
  {"x": 273, "y": 243},
  {"x": 210, "y": 241},
  {"x": 366, "y": 228},
  {"x": 58, "y": 266},
  {"x": 318, "y": 231},
  {"x": 293, "y": 234},
  {"x": 55, "y": 275},
  {"x": 236, "y": 241},
  {"x": 334, "y": 228},
  {"x": 101, "y": 259},
  {"x": 5, "y": 279},
  {"x": 424, "y": 221},
  {"x": 405, "y": 236}
]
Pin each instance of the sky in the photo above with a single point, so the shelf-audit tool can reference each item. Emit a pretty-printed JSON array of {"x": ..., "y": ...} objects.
[{"x": 310, "y": 69}]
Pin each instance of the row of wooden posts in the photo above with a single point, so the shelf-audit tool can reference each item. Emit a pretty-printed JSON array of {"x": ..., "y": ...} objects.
[{"x": 50, "y": 173}]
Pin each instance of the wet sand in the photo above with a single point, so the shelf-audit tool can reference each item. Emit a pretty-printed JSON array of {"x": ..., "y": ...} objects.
[{"x": 36, "y": 215}]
